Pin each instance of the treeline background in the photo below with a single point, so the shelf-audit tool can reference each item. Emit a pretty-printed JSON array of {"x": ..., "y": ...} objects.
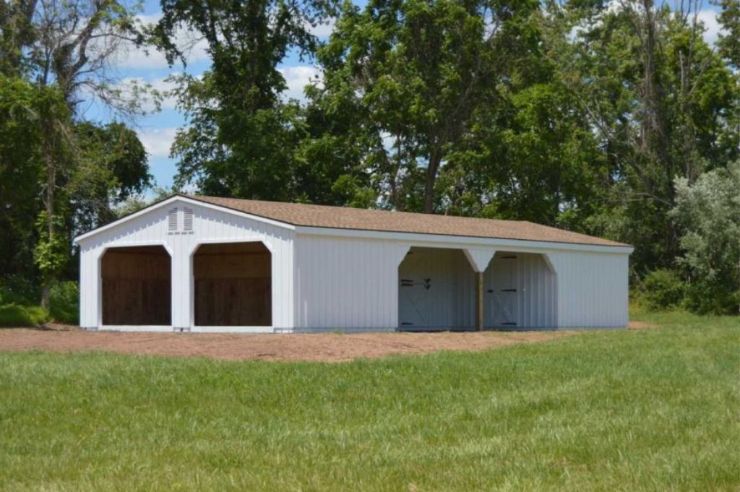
[{"x": 613, "y": 118}]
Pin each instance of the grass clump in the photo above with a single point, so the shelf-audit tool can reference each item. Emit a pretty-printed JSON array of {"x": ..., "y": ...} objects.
[{"x": 652, "y": 409}]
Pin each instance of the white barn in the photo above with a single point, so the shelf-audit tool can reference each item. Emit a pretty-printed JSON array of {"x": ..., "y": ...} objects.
[{"x": 197, "y": 263}]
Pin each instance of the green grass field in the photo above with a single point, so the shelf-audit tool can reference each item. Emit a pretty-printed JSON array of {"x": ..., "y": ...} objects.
[{"x": 651, "y": 409}]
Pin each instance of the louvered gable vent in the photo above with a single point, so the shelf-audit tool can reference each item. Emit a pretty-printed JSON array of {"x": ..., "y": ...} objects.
[
  {"x": 188, "y": 222},
  {"x": 172, "y": 220}
]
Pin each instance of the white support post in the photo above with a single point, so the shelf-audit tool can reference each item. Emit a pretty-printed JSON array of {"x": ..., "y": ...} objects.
[
  {"x": 182, "y": 287},
  {"x": 397, "y": 253},
  {"x": 479, "y": 258}
]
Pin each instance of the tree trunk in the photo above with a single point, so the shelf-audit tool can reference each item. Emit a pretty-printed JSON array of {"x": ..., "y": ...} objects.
[
  {"x": 45, "y": 294},
  {"x": 649, "y": 123},
  {"x": 435, "y": 158},
  {"x": 653, "y": 124}
]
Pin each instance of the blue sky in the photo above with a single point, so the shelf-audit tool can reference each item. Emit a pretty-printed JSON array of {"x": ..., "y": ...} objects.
[{"x": 157, "y": 130}]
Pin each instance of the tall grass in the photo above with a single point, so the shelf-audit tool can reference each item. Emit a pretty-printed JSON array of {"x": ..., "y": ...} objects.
[{"x": 613, "y": 410}]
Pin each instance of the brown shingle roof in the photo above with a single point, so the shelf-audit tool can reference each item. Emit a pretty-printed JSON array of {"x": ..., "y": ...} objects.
[{"x": 300, "y": 214}]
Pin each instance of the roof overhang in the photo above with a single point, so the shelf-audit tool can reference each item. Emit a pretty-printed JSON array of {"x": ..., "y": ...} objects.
[{"x": 441, "y": 240}]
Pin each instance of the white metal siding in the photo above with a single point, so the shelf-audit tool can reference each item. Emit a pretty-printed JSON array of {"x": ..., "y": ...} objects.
[
  {"x": 346, "y": 284},
  {"x": 208, "y": 226},
  {"x": 592, "y": 289}
]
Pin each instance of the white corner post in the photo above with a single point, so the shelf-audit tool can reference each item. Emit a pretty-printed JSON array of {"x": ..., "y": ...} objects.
[
  {"x": 91, "y": 290},
  {"x": 479, "y": 258},
  {"x": 552, "y": 260},
  {"x": 396, "y": 254}
]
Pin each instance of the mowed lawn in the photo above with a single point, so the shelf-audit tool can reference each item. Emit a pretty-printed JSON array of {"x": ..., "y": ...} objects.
[{"x": 647, "y": 409}]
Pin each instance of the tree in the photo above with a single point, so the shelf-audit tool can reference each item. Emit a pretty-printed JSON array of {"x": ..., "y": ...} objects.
[
  {"x": 72, "y": 46},
  {"x": 416, "y": 74},
  {"x": 729, "y": 40},
  {"x": 20, "y": 167},
  {"x": 16, "y": 33},
  {"x": 659, "y": 101},
  {"x": 241, "y": 136},
  {"x": 111, "y": 167},
  {"x": 63, "y": 47},
  {"x": 533, "y": 155},
  {"x": 26, "y": 137},
  {"x": 709, "y": 213}
]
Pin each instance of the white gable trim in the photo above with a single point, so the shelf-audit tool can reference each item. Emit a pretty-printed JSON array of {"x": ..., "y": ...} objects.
[{"x": 178, "y": 199}]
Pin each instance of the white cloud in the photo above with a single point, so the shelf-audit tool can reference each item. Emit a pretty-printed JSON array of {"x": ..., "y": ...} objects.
[
  {"x": 130, "y": 56},
  {"x": 165, "y": 87},
  {"x": 707, "y": 17},
  {"x": 194, "y": 47},
  {"x": 586, "y": 25},
  {"x": 157, "y": 141},
  {"x": 711, "y": 25},
  {"x": 298, "y": 77},
  {"x": 324, "y": 29},
  {"x": 138, "y": 88}
]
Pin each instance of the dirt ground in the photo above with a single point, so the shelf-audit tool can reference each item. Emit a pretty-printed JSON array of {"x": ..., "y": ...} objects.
[
  {"x": 641, "y": 325},
  {"x": 330, "y": 347}
]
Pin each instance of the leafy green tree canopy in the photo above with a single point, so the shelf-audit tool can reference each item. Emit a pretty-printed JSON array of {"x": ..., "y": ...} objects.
[
  {"x": 415, "y": 74},
  {"x": 241, "y": 135}
]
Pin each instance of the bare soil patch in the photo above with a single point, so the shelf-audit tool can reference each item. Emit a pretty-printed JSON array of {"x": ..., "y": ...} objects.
[
  {"x": 641, "y": 325},
  {"x": 329, "y": 347}
]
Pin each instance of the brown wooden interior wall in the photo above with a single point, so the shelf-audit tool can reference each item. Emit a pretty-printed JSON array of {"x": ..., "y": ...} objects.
[
  {"x": 233, "y": 285},
  {"x": 136, "y": 286}
]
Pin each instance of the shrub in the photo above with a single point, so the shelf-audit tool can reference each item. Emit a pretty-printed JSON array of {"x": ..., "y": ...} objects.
[
  {"x": 64, "y": 301},
  {"x": 16, "y": 289},
  {"x": 663, "y": 289},
  {"x": 707, "y": 213},
  {"x": 17, "y": 315},
  {"x": 711, "y": 297}
]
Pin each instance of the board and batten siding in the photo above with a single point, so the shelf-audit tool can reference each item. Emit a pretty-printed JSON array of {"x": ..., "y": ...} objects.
[
  {"x": 206, "y": 225},
  {"x": 346, "y": 284},
  {"x": 593, "y": 289},
  {"x": 352, "y": 284}
]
